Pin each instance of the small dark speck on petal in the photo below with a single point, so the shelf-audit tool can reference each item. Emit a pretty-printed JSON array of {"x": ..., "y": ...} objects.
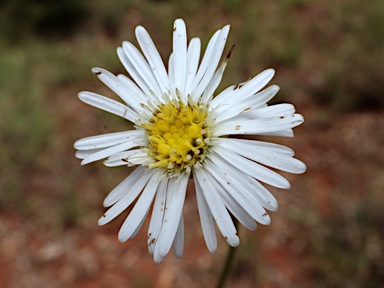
[{"x": 238, "y": 127}]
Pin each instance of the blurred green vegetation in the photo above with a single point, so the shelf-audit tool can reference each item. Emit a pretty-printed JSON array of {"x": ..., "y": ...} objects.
[{"x": 327, "y": 54}]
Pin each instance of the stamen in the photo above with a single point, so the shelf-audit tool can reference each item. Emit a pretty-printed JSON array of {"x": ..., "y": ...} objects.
[{"x": 177, "y": 136}]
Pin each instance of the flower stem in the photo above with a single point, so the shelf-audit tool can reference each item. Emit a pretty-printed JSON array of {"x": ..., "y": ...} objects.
[{"x": 228, "y": 262}]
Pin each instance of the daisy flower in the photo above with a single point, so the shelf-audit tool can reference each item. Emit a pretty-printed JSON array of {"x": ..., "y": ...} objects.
[{"x": 183, "y": 131}]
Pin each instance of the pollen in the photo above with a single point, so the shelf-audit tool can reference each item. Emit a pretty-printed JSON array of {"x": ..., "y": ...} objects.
[{"x": 177, "y": 135}]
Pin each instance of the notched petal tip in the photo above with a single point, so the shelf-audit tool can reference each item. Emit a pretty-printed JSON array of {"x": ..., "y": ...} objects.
[
  {"x": 96, "y": 70},
  {"x": 299, "y": 119}
]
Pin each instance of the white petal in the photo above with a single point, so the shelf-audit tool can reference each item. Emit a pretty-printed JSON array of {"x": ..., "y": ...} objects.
[
  {"x": 133, "y": 142},
  {"x": 205, "y": 62},
  {"x": 171, "y": 72},
  {"x": 258, "y": 126},
  {"x": 282, "y": 133},
  {"x": 223, "y": 97},
  {"x": 82, "y": 154},
  {"x": 132, "y": 71},
  {"x": 263, "y": 156},
  {"x": 264, "y": 196},
  {"x": 225, "y": 177},
  {"x": 254, "y": 144},
  {"x": 214, "y": 61},
  {"x": 142, "y": 67},
  {"x": 136, "y": 95},
  {"x": 270, "y": 111},
  {"x": 249, "y": 186},
  {"x": 193, "y": 57},
  {"x": 121, "y": 158},
  {"x": 255, "y": 84},
  {"x": 157, "y": 216},
  {"x": 179, "y": 54},
  {"x": 153, "y": 57},
  {"x": 264, "y": 96},
  {"x": 122, "y": 155},
  {"x": 115, "y": 163},
  {"x": 130, "y": 195},
  {"x": 253, "y": 103},
  {"x": 119, "y": 191},
  {"x": 139, "y": 225},
  {"x": 235, "y": 208},
  {"x": 140, "y": 209},
  {"x": 252, "y": 168},
  {"x": 140, "y": 158},
  {"x": 215, "y": 81},
  {"x": 106, "y": 140},
  {"x": 250, "y": 114},
  {"x": 206, "y": 220},
  {"x": 178, "y": 242},
  {"x": 174, "y": 205},
  {"x": 219, "y": 212},
  {"x": 115, "y": 85},
  {"x": 108, "y": 105}
]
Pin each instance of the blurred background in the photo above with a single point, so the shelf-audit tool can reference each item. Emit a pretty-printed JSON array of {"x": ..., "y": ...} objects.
[{"x": 329, "y": 57}]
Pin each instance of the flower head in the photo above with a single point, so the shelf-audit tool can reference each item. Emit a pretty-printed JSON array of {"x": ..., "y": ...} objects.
[{"x": 183, "y": 131}]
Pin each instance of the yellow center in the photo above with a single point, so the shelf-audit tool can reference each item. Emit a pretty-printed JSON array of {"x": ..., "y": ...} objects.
[{"x": 177, "y": 136}]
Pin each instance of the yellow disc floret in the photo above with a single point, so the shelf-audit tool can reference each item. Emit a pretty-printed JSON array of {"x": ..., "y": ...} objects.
[{"x": 177, "y": 136}]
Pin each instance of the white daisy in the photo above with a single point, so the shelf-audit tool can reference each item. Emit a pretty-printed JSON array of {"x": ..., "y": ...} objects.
[{"x": 182, "y": 131}]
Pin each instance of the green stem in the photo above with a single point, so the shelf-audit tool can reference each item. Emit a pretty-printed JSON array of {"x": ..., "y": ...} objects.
[{"x": 228, "y": 263}]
